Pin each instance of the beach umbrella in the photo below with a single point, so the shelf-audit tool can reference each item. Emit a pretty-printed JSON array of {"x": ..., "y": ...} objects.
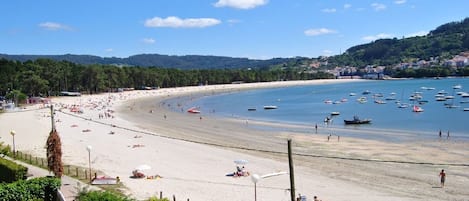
[
  {"x": 241, "y": 162},
  {"x": 143, "y": 167}
]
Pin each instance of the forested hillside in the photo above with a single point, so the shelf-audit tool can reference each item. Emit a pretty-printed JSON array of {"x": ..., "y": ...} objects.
[
  {"x": 157, "y": 60},
  {"x": 442, "y": 43},
  {"x": 44, "y": 77}
]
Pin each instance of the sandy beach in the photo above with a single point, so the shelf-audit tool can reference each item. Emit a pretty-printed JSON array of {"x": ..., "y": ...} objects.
[{"x": 194, "y": 152}]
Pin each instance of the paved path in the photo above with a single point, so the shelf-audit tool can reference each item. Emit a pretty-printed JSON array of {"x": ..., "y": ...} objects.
[{"x": 70, "y": 186}]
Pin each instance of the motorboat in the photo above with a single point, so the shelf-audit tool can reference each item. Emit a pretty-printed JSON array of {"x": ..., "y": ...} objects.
[
  {"x": 357, "y": 120},
  {"x": 335, "y": 113},
  {"x": 270, "y": 107}
]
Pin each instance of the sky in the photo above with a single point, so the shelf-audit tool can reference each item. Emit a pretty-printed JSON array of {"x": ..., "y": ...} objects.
[{"x": 255, "y": 29}]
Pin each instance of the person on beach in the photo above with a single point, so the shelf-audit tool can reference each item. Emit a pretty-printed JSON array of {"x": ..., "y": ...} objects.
[
  {"x": 440, "y": 133},
  {"x": 442, "y": 178},
  {"x": 316, "y": 127},
  {"x": 315, "y": 198},
  {"x": 447, "y": 135}
]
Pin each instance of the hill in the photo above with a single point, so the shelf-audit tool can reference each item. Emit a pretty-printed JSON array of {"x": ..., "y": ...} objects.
[
  {"x": 442, "y": 43},
  {"x": 157, "y": 60}
]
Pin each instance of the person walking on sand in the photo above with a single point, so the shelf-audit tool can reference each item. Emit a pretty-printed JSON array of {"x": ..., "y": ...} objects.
[
  {"x": 442, "y": 178},
  {"x": 440, "y": 133}
]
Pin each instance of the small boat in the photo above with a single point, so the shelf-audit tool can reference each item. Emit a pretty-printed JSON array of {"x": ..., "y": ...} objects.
[
  {"x": 335, "y": 113},
  {"x": 417, "y": 109},
  {"x": 352, "y": 94},
  {"x": 328, "y": 120},
  {"x": 362, "y": 99},
  {"x": 458, "y": 86},
  {"x": 251, "y": 109},
  {"x": 465, "y": 109},
  {"x": 366, "y": 92},
  {"x": 193, "y": 110},
  {"x": 403, "y": 105},
  {"x": 380, "y": 101},
  {"x": 270, "y": 107},
  {"x": 357, "y": 120}
]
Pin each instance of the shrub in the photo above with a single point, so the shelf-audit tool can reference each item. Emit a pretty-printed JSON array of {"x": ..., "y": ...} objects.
[
  {"x": 11, "y": 172},
  {"x": 101, "y": 196},
  {"x": 33, "y": 189}
]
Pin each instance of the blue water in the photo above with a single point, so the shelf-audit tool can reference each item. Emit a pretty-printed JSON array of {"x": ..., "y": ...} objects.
[{"x": 306, "y": 105}]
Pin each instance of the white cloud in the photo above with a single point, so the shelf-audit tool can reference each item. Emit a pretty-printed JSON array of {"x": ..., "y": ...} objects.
[
  {"x": 240, "y": 4},
  {"x": 175, "y": 22},
  {"x": 378, "y": 6},
  {"x": 109, "y": 50},
  {"x": 320, "y": 31},
  {"x": 148, "y": 40},
  {"x": 376, "y": 37},
  {"x": 419, "y": 33},
  {"x": 53, "y": 26},
  {"x": 329, "y": 10},
  {"x": 347, "y": 6},
  {"x": 400, "y": 1}
]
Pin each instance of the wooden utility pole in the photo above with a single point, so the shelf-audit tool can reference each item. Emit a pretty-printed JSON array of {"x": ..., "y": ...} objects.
[
  {"x": 292, "y": 174},
  {"x": 52, "y": 117}
]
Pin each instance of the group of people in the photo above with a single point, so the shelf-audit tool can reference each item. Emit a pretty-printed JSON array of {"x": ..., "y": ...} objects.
[
  {"x": 240, "y": 171},
  {"x": 303, "y": 198}
]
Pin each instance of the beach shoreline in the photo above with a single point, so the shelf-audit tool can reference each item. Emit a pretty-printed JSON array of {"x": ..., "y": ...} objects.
[{"x": 193, "y": 154}]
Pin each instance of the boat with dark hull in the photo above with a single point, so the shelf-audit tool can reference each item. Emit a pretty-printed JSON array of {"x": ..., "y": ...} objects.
[{"x": 357, "y": 120}]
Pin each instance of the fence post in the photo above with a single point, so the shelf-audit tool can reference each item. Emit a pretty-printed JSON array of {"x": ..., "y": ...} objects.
[
  {"x": 174, "y": 198},
  {"x": 86, "y": 174},
  {"x": 30, "y": 159},
  {"x": 161, "y": 194},
  {"x": 78, "y": 176},
  {"x": 42, "y": 162},
  {"x": 36, "y": 161}
]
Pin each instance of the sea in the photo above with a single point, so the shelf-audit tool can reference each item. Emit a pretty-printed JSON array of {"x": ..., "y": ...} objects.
[{"x": 382, "y": 101}]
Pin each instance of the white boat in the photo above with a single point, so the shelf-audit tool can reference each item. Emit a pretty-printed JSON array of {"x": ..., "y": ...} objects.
[
  {"x": 352, "y": 94},
  {"x": 403, "y": 105},
  {"x": 335, "y": 113},
  {"x": 458, "y": 86},
  {"x": 270, "y": 107},
  {"x": 465, "y": 109},
  {"x": 465, "y": 95}
]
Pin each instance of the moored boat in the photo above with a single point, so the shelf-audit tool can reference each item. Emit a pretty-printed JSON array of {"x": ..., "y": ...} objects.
[
  {"x": 357, "y": 120},
  {"x": 270, "y": 107}
]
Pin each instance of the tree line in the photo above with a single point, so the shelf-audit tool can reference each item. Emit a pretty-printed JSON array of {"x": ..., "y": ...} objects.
[{"x": 46, "y": 77}]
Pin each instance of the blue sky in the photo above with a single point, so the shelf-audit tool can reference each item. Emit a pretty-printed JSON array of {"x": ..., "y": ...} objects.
[{"x": 258, "y": 29}]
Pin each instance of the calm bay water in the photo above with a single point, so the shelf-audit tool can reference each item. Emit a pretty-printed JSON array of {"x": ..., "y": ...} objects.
[{"x": 306, "y": 105}]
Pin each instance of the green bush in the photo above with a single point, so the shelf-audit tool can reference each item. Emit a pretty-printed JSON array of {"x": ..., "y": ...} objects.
[
  {"x": 33, "y": 189},
  {"x": 157, "y": 199},
  {"x": 101, "y": 196},
  {"x": 11, "y": 172},
  {"x": 5, "y": 150}
]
